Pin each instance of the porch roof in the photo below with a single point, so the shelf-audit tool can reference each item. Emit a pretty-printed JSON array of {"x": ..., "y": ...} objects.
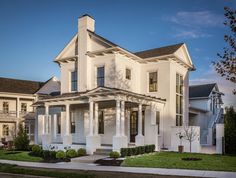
[{"x": 99, "y": 91}]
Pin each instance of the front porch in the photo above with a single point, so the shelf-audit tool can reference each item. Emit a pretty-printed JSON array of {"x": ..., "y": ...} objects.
[{"x": 100, "y": 119}]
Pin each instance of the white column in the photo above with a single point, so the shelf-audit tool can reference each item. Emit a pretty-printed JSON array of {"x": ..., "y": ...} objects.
[
  {"x": 96, "y": 118},
  {"x": 45, "y": 119},
  {"x": 91, "y": 118},
  {"x": 55, "y": 126},
  {"x": 17, "y": 107},
  {"x": 117, "y": 117},
  {"x": 122, "y": 117},
  {"x": 67, "y": 119},
  {"x": 140, "y": 120}
]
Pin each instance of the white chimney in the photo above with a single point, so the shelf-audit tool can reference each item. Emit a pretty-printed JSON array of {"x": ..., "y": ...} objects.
[{"x": 85, "y": 23}]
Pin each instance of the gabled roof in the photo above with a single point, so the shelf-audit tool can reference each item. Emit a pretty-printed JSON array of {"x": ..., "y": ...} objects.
[
  {"x": 200, "y": 91},
  {"x": 19, "y": 86},
  {"x": 166, "y": 50}
]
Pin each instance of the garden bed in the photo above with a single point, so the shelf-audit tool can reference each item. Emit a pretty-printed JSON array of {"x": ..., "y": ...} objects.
[{"x": 109, "y": 161}]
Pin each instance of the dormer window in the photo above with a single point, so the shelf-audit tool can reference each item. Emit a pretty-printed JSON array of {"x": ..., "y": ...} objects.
[
  {"x": 100, "y": 76},
  {"x": 73, "y": 81}
]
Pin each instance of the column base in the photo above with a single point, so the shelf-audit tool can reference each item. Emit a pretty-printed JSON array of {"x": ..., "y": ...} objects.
[
  {"x": 139, "y": 140},
  {"x": 92, "y": 143},
  {"x": 119, "y": 142},
  {"x": 46, "y": 140},
  {"x": 67, "y": 139}
]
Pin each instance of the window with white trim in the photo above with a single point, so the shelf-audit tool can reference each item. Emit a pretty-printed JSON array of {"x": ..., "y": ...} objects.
[
  {"x": 5, "y": 107},
  {"x": 23, "y": 107},
  {"x": 100, "y": 76},
  {"x": 128, "y": 74},
  {"x": 73, "y": 77},
  {"x": 72, "y": 123},
  {"x": 5, "y": 130},
  {"x": 153, "y": 82},
  {"x": 179, "y": 100},
  {"x": 158, "y": 120},
  {"x": 100, "y": 122},
  {"x": 58, "y": 123}
]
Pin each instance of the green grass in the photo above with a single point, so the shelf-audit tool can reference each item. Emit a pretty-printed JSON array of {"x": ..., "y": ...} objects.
[
  {"x": 18, "y": 156},
  {"x": 7, "y": 168},
  {"x": 173, "y": 160}
]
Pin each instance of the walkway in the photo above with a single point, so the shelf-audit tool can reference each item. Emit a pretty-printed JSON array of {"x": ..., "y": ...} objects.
[{"x": 93, "y": 167}]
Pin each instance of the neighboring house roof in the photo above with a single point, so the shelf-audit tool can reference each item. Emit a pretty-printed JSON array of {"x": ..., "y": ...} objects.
[
  {"x": 201, "y": 91},
  {"x": 166, "y": 50},
  {"x": 19, "y": 86}
]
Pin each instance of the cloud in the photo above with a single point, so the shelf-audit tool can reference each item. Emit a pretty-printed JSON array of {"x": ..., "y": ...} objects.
[
  {"x": 197, "y": 19},
  {"x": 185, "y": 34},
  {"x": 224, "y": 86}
]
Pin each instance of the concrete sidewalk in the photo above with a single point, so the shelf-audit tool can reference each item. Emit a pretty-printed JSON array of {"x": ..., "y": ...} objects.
[{"x": 160, "y": 171}]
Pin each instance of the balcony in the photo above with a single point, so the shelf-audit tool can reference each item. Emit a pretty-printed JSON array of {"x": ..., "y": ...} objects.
[{"x": 8, "y": 114}]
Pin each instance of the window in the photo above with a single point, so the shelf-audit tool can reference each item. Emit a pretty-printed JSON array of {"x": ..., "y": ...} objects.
[
  {"x": 23, "y": 107},
  {"x": 5, "y": 130},
  {"x": 143, "y": 122},
  {"x": 72, "y": 123},
  {"x": 58, "y": 123},
  {"x": 179, "y": 100},
  {"x": 5, "y": 107},
  {"x": 26, "y": 128},
  {"x": 128, "y": 74},
  {"x": 101, "y": 122},
  {"x": 74, "y": 81},
  {"x": 153, "y": 82},
  {"x": 100, "y": 76},
  {"x": 158, "y": 121}
]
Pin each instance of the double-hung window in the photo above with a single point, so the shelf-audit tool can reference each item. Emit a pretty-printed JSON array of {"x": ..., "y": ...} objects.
[
  {"x": 73, "y": 81},
  {"x": 179, "y": 100},
  {"x": 128, "y": 74},
  {"x": 5, "y": 130},
  {"x": 23, "y": 107},
  {"x": 5, "y": 107},
  {"x": 153, "y": 82},
  {"x": 100, "y": 76}
]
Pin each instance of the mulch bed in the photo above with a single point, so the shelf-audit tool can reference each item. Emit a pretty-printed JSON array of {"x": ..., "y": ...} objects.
[
  {"x": 109, "y": 162},
  {"x": 56, "y": 160},
  {"x": 191, "y": 159}
]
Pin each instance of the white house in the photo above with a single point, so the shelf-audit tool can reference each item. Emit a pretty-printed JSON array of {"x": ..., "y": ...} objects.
[
  {"x": 205, "y": 110},
  {"x": 16, "y": 99},
  {"x": 113, "y": 98}
]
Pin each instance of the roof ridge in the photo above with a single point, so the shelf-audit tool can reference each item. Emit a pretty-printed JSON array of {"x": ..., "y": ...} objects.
[
  {"x": 21, "y": 80},
  {"x": 195, "y": 85}
]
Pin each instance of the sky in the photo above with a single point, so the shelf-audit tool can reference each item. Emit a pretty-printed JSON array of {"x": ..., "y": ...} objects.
[{"x": 32, "y": 32}]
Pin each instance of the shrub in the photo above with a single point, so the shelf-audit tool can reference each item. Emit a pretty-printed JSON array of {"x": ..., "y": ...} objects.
[
  {"x": 81, "y": 152},
  {"x": 21, "y": 142},
  {"x": 137, "y": 150},
  {"x": 60, "y": 155},
  {"x": 52, "y": 155},
  {"x": 114, "y": 154},
  {"x": 142, "y": 150},
  {"x": 46, "y": 155},
  {"x": 123, "y": 152},
  {"x": 71, "y": 153},
  {"x": 36, "y": 150}
]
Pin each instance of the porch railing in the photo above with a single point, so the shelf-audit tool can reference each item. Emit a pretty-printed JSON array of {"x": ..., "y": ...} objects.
[{"x": 7, "y": 113}]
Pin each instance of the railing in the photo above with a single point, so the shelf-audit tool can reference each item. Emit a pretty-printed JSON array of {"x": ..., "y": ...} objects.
[
  {"x": 217, "y": 118},
  {"x": 7, "y": 113}
]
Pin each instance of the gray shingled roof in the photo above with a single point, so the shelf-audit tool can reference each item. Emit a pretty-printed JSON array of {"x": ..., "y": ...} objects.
[
  {"x": 159, "y": 51},
  {"x": 19, "y": 86},
  {"x": 203, "y": 90}
]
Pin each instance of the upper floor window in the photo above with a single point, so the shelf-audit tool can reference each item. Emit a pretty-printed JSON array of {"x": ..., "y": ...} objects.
[
  {"x": 100, "y": 76},
  {"x": 23, "y": 107},
  {"x": 101, "y": 122},
  {"x": 152, "y": 81},
  {"x": 179, "y": 100},
  {"x": 74, "y": 81},
  {"x": 128, "y": 74},
  {"x": 5, "y": 130},
  {"x": 5, "y": 107}
]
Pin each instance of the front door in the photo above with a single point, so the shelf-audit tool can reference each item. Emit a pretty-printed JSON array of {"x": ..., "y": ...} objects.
[{"x": 133, "y": 125}]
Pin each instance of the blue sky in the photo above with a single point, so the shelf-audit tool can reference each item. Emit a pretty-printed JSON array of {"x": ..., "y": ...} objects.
[{"x": 33, "y": 32}]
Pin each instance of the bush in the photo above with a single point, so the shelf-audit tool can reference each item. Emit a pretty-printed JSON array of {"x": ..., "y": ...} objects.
[
  {"x": 71, "y": 153},
  {"x": 114, "y": 154},
  {"x": 60, "y": 155},
  {"x": 81, "y": 152},
  {"x": 36, "y": 150},
  {"x": 46, "y": 154},
  {"x": 137, "y": 150},
  {"x": 21, "y": 142}
]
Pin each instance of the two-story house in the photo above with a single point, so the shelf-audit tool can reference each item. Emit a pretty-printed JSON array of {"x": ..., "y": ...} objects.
[
  {"x": 16, "y": 99},
  {"x": 113, "y": 98},
  {"x": 205, "y": 110}
]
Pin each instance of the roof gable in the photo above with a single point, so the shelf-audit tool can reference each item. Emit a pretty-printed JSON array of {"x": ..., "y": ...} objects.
[
  {"x": 183, "y": 54},
  {"x": 201, "y": 91}
]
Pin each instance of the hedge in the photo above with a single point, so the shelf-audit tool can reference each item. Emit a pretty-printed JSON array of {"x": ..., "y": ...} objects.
[{"x": 137, "y": 150}]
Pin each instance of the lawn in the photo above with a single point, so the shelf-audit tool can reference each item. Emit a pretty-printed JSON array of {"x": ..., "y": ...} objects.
[
  {"x": 18, "y": 156},
  {"x": 174, "y": 160}
]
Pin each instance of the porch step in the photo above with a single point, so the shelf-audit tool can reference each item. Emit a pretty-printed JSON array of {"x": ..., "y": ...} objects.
[{"x": 102, "y": 151}]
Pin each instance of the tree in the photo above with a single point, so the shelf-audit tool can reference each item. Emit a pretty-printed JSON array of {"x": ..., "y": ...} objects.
[
  {"x": 190, "y": 134},
  {"x": 21, "y": 142},
  {"x": 226, "y": 65},
  {"x": 230, "y": 130}
]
